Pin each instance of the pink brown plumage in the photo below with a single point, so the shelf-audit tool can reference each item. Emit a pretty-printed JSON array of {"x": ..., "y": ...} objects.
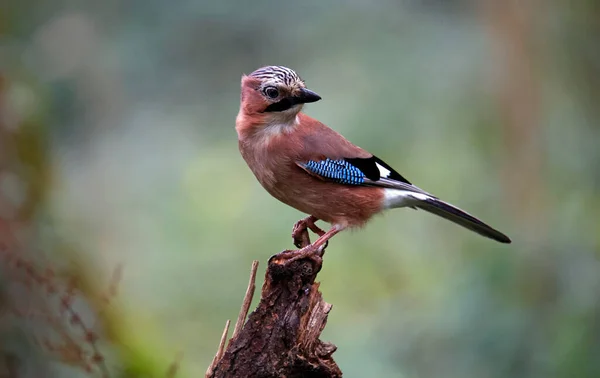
[{"x": 312, "y": 168}]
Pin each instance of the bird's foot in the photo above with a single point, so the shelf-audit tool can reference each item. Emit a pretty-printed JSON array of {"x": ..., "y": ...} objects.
[
  {"x": 311, "y": 252},
  {"x": 300, "y": 231},
  {"x": 300, "y": 234}
]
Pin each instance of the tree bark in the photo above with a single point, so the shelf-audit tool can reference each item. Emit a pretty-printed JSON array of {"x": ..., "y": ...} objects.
[{"x": 281, "y": 337}]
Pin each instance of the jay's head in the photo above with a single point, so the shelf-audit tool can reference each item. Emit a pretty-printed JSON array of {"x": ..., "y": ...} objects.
[{"x": 276, "y": 92}]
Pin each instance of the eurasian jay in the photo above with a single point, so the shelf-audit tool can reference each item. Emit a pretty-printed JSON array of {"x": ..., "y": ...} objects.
[{"x": 310, "y": 167}]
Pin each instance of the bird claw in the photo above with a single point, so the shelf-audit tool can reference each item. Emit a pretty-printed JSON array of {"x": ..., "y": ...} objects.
[
  {"x": 301, "y": 239},
  {"x": 300, "y": 231},
  {"x": 287, "y": 257},
  {"x": 300, "y": 234}
]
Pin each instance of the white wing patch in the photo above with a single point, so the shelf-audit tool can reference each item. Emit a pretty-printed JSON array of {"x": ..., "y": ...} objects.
[{"x": 383, "y": 171}]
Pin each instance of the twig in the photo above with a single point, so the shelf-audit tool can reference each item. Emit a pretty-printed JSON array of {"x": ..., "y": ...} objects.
[
  {"x": 220, "y": 351},
  {"x": 239, "y": 324},
  {"x": 90, "y": 338}
]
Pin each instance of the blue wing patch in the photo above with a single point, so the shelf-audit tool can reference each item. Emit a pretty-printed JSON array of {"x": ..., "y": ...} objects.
[{"x": 339, "y": 171}]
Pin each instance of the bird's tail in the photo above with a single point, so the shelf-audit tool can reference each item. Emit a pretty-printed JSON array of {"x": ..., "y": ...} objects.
[{"x": 456, "y": 215}]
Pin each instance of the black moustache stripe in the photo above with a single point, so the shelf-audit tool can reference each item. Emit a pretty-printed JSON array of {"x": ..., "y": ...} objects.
[{"x": 281, "y": 105}]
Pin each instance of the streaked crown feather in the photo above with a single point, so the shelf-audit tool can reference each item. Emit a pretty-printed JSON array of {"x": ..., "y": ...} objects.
[{"x": 280, "y": 74}]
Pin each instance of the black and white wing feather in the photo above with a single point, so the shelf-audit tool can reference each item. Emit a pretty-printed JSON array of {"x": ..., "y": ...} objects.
[
  {"x": 378, "y": 173},
  {"x": 370, "y": 171},
  {"x": 373, "y": 171}
]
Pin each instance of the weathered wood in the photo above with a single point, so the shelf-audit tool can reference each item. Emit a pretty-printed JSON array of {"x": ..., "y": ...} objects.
[{"x": 281, "y": 337}]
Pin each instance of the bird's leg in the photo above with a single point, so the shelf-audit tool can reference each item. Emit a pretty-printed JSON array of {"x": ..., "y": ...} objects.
[
  {"x": 313, "y": 251},
  {"x": 310, "y": 222},
  {"x": 300, "y": 233},
  {"x": 314, "y": 228}
]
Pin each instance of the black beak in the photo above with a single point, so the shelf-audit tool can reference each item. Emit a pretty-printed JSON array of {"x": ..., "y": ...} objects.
[{"x": 305, "y": 96}]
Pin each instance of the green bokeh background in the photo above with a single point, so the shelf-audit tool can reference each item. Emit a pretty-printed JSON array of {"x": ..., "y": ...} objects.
[{"x": 125, "y": 111}]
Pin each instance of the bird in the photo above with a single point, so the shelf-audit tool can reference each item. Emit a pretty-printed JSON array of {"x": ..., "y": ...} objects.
[{"x": 312, "y": 168}]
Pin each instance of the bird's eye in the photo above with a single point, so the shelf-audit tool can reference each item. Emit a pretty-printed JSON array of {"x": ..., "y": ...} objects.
[{"x": 272, "y": 92}]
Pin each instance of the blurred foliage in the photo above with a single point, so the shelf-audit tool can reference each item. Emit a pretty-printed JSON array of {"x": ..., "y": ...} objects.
[{"x": 117, "y": 148}]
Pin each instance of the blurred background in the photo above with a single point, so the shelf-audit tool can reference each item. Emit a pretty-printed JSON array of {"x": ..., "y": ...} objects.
[{"x": 128, "y": 219}]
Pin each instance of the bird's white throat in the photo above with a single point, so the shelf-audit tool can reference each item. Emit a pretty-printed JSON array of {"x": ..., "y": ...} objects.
[{"x": 278, "y": 126}]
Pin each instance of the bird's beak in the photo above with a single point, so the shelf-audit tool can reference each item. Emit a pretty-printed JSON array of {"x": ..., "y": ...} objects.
[
  {"x": 303, "y": 96},
  {"x": 306, "y": 96}
]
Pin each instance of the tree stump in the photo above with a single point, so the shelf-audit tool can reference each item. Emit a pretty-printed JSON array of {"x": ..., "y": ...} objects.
[{"x": 281, "y": 337}]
